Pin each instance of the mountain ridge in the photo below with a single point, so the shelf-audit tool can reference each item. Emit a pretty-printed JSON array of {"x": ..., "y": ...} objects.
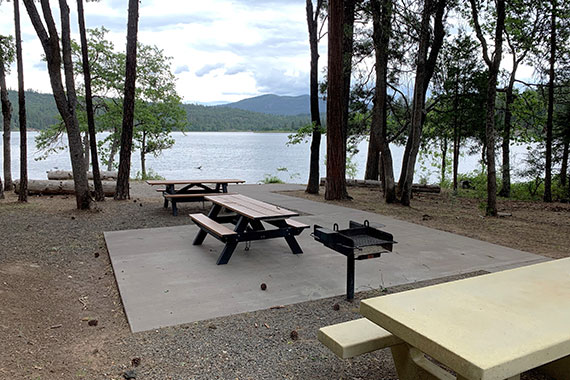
[{"x": 277, "y": 105}]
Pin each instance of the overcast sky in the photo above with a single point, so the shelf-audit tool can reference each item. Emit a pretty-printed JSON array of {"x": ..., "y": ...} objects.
[{"x": 222, "y": 50}]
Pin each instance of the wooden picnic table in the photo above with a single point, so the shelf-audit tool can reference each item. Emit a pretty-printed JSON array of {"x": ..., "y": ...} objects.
[
  {"x": 247, "y": 215},
  {"x": 192, "y": 190},
  {"x": 494, "y": 326}
]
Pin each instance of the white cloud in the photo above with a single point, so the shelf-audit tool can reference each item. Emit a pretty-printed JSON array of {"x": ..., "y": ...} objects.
[{"x": 222, "y": 50}]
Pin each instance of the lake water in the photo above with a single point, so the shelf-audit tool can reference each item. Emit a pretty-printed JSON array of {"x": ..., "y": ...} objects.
[{"x": 244, "y": 155}]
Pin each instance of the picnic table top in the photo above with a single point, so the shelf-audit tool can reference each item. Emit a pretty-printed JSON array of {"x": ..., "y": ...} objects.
[
  {"x": 250, "y": 208},
  {"x": 487, "y": 327},
  {"x": 192, "y": 181}
]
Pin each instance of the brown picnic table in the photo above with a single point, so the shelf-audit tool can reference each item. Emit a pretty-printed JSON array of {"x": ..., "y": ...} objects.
[
  {"x": 247, "y": 215},
  {"x": 192, "y": 190}
]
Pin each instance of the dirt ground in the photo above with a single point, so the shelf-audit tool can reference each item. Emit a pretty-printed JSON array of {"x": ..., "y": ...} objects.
[
  {"x": 61, "y": 316},
  {"x": 537, "y": 227}
]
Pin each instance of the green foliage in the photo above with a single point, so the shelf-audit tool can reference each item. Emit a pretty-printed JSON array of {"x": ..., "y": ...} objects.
[
  {"x": 304, "y": 134},
  {"x": 7, "y": 52},
  {"x": 271, "y": 178},
  {"x": 149, "y": 175}
]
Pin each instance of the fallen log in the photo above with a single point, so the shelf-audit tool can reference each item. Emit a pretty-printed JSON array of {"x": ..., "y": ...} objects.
[
  {"x": 61, "y": 175},
  {"x": 416, "y": 187},
  {"x": 47, "y": 187}
]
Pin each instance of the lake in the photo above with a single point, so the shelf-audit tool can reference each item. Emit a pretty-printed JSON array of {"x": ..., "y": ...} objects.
[{"x": 244, "y": 155}]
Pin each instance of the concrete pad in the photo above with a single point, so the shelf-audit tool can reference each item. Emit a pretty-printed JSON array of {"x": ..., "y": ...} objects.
[{"x": 164, "y": 280}]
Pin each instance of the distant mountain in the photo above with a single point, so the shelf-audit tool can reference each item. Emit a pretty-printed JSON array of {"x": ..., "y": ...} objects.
[
  {"x": 277, "y": 105},
  {"x": 41, "y": 113}
]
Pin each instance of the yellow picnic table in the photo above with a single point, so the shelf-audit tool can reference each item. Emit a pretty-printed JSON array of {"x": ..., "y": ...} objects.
[{"x": 494, "y": 326}]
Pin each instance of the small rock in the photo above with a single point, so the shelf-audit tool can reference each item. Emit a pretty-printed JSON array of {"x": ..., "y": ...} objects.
[
  {"x": 135, "y": 362},
  {"x": 263, "y": 286},
  {"x": 212, "y": 326},
  {"x": 93, "y": 322},
  {"x": 294, "y": 335},
  {"x": 426, "y": 217},
  {"x": 336, "y": 307},
  {"x": 140, "y": 204},
  {"x": 73, "y": 218},
  {"x": 130, "y": 374},
  {"x": 96, "y": 254}
]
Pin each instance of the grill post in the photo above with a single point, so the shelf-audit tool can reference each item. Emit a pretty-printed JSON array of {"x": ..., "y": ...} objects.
[{"x": 350, "y": 277}]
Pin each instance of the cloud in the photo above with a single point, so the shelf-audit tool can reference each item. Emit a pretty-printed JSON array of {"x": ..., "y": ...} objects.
[
  {"x": 208, "y": 69},
  {"x": 235, "y": 70},
  {"x": 182, "y": 69}
]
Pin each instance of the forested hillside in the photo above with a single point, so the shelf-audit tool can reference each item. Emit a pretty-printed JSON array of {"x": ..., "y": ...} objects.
[
  {"x": 42, "y": 112},
  {"x": 277, "y": 105}
]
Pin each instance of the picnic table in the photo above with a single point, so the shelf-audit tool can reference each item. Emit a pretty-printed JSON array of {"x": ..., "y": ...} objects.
[
  {"x": 191, "y": 191},
  {"x": 247, "y": 215},
  {"x": 494, "y": 326}
]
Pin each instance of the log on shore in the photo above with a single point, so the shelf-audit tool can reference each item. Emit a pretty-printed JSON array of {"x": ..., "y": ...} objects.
[
  {"x": 416, "y": 187},
  {"x": 61, "y": 175},
  {"x": 47, "y": 187}
]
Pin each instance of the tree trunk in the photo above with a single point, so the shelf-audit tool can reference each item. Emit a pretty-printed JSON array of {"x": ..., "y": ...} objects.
[
  {"x": 7, "y": 121},
  {"x": 506, "y": 145},
  {"x": 347, "y": 52},
  {"x": 550, "y": 112},
  {"x": 23, "y": 194},
  {"x": 564, "y": 165},
  {"x": 143, "y": 150},
  {"x": 493, "y": 65},
  {"x": 372, "y": 158},
  {"x": 122, "y": 191},
  {"x": 86, "y": 150},
  {"x": 65, "y": 99},
  {"x": 456, "y": 136},
  {"x": 113, "y": 150},
  {"x": 382, "y": 15},
  {"x": 336, "y": 181},
  {"x": 312, "y": 21},
  {"x": 99, "y": 195},
  {"x": 424, "y": 72},
  {"x": 443, "y": 160}
]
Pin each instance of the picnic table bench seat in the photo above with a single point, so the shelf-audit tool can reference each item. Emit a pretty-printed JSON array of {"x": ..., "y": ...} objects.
[
  {"x": 296, "y": 224},
  {"x": 215, "y": 228},
  {"x": 357, "y": 337}
]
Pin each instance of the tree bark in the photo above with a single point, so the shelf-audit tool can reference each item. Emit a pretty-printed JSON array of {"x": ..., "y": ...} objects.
[
  {"x": 382, "y": 15},
  {"x": 564, "y": 165},
  {"x": 372, "y": 158},
  {"x": 312, "y": 22},
  {"x": 336, "y": 181},
  {"x": 456, "y": 135},
  {"x": 506, "y": 144},
  {"x": 122, "y": 191},
  {"x": 65, "y": 99},
  {"x": 493, "y": 66},
  {"x": 347, "y": 52},
  {"x": 424, "y": 72},
  {"x": 99, "y": 195},
  {"x": 143, "y": 153},
  {"x": 23, "y": 194},
  {"x": 550, "y": 111},
  {"x": 7, "y": 121}
]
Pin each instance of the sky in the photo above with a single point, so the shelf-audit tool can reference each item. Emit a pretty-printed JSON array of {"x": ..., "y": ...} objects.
[{"x": 222, "y": 50}]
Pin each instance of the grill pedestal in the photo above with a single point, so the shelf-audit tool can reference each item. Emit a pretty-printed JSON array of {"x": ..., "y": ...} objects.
[{"x": 358, "y": 242}]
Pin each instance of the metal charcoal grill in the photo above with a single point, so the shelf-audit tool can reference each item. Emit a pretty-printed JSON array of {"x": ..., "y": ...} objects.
[{"x": 358, "y": 242}]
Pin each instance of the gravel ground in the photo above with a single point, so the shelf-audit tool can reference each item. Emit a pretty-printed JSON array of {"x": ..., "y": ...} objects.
[{"x": 61, "y": 316}]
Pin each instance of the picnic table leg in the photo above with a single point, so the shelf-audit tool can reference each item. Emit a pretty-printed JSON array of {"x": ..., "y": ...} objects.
[
  {"x": 224, "y": 188},
  {"x": 232, "y": 244},
  {"x": 169, "y": 190},
  {"x": 411, "y": 364},
  {"x": 214, "y": 211},
  {"x": 558, "y": 369},
  {"x": 289, "y": 236}
]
